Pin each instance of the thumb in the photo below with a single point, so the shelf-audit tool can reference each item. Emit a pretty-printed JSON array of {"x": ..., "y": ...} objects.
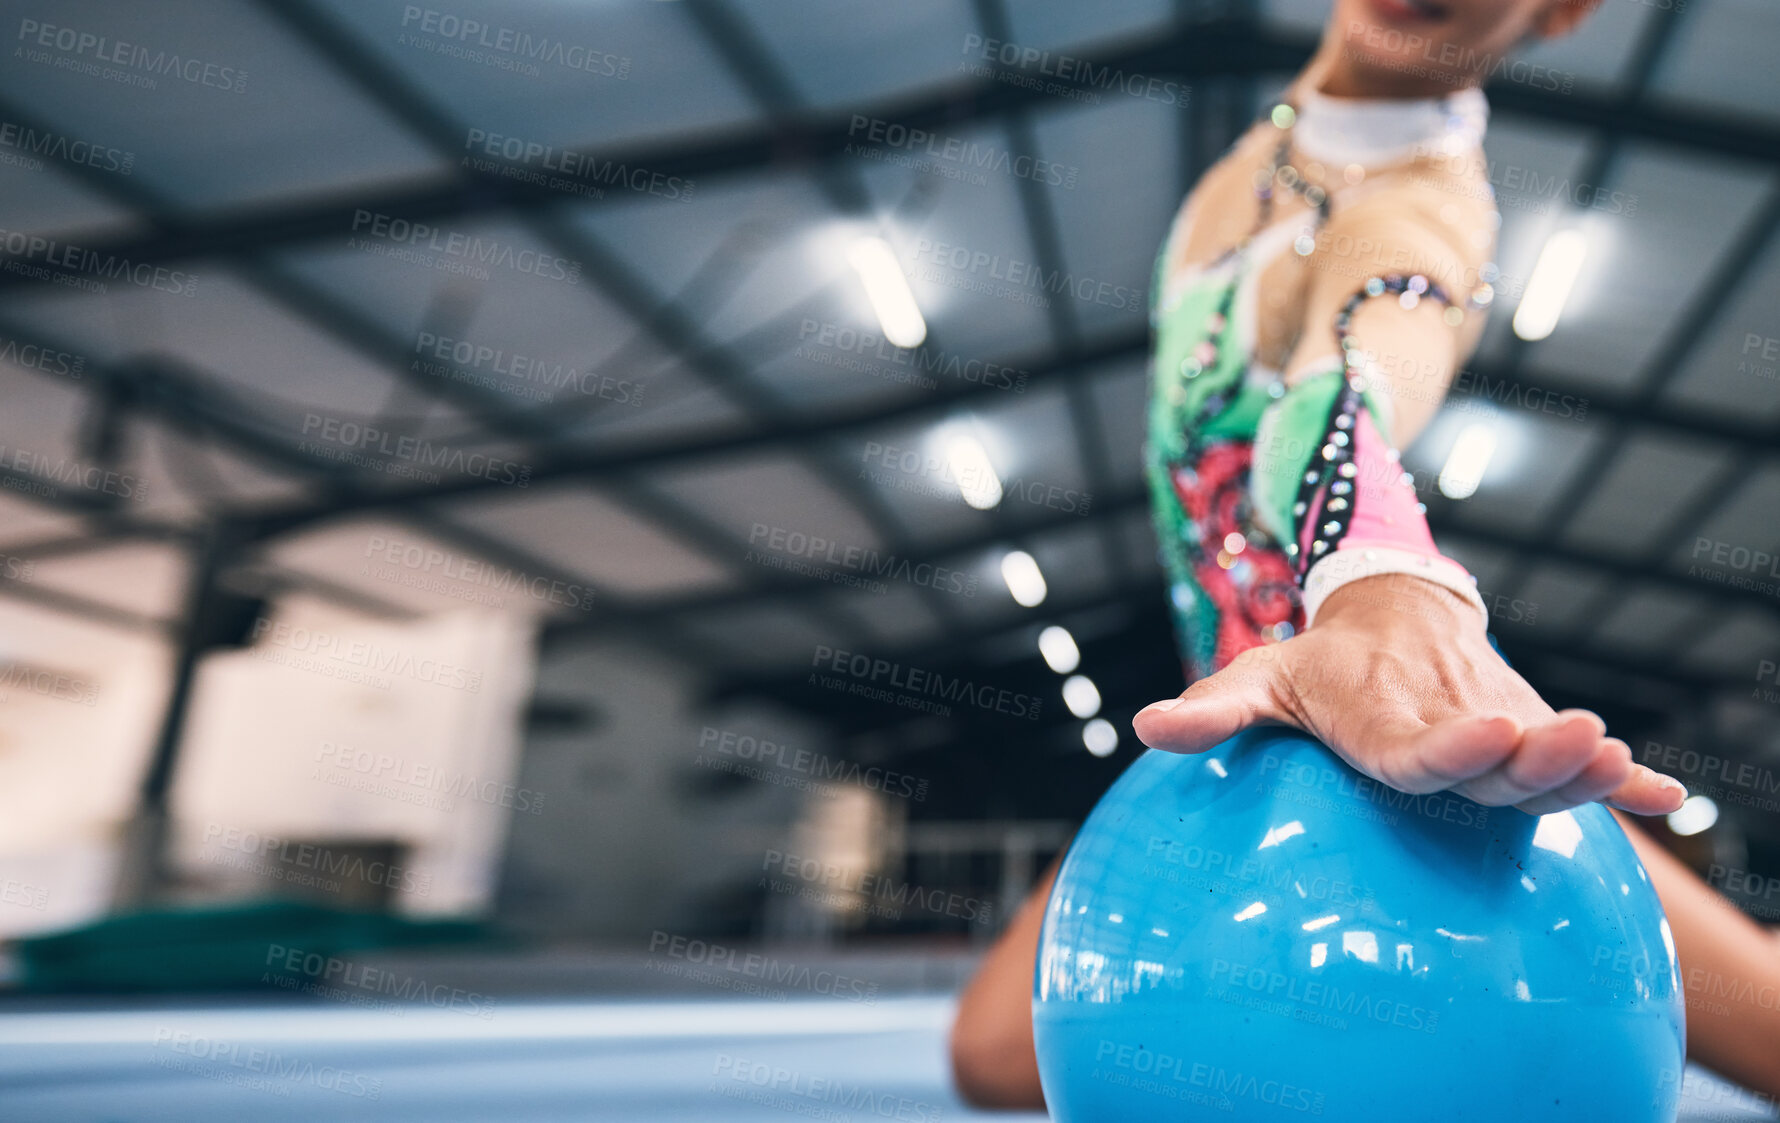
[{"x": 1212, "y": 710}]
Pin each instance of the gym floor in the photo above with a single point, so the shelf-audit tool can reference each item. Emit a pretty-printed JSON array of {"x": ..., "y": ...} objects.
[{"x": 650, "y": 1062}]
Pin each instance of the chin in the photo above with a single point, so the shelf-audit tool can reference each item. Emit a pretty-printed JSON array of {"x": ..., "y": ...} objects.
[{"x": 1399, "y": 56}]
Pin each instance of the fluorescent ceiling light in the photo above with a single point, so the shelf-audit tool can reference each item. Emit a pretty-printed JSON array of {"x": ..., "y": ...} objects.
[
  {"x": 1059, "y": 649},
  {"x": 1081, "y": 696},
  {"x": 1694, "y": 816},
  {"x": 977, "y": 481},
  {"x": 1100, "y": 737},
  {"x": 1549, "y": 287},
  {"x": 888, "y": 290},
  {"x": 1468, "y": 460},
  {"x": 1024, "y": 580}
]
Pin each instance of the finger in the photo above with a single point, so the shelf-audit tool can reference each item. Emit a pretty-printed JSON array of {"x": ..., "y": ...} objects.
[
  {"x": 1550, "y": 755},
  {"x": 1648, "y": 793},
  {"x": 1607, "y": 771},
  {"x": 1212, "y": 710},
  {"x": 1434, "y": 757}
]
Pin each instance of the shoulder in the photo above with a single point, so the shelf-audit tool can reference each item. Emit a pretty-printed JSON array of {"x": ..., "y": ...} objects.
[
  {"x": 1219, "y": 208},
  {"x": 1435, "y": 217},
  {"x": 1440, "y": 205}
]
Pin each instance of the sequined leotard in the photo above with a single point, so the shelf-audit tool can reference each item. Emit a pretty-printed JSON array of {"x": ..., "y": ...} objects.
[{"x": 1255, "y": 483}]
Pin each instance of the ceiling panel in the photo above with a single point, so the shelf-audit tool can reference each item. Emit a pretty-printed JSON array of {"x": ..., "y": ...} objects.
[
  {"x": 145, "y": 578},
  {"x": 1735, "y": 643},
  {"x": 587, "y": 533},
  {"x": 1055, "y": 24},
  {"x": 887, "y": 48},
  {"x": 1534, "y": 169},
  {"x": 26, "y": 520},
  {"x": 906, "y": 466},
  {"x": 45, "y": 196},
  {"x": 1643, "y": 262},
  {"x": 1646, "y": 621},
  {"x": 404, "y": 566},
  {"x": 1651, "y": 481},
  {"x": 762, "y": 637},
  {"x": 271, "y": 110},
  {"x": 1121, "y": 398},
  {"x": 558, "y": 74},
  {"x": 1558, "y": 596},
  {"x": 1747, "y": 520},
  {"x": 1735, "y": 368},
  {"x": 1536, "y": 457},
  {"x": 1723, "y": 58},
  {"x": 1128, "y": 150},
  {"x": 901, "y": 615},
  {"x": 970, "y": 261},
  {"x": 779, "y": 511}
]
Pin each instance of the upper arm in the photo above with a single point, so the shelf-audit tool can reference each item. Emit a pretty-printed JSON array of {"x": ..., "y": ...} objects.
[{"x": 1433, "y": 227}]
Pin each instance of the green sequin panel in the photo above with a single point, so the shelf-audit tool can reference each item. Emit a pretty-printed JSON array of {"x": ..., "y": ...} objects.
[
  {"x": 1288, "y": 443},
  {"x": 1181, "y": 387}
]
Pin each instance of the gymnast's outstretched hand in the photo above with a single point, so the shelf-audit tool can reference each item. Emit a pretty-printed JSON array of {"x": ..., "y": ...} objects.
[{"x": 1397, "y": 676}]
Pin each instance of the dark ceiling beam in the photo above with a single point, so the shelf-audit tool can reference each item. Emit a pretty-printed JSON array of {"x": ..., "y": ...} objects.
[
  {"x": 266, "y": 579},
  {"x": 728, "y": 440},
  {"x": 1655, "y": 40},
  {"x": 643, "y": 613},
  {"x": 1201, "y": 51},
  {"x": 85, "y": 608},
  {"x": 1662, "y": 418},
  {"x": 189, "y": 394},
  {"x": 97, "y": 538},
  {"x": 1046, "y": 236}
]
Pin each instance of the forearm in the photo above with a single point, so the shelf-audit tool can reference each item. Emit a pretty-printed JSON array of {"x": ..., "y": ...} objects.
[
  {"x": 1730, "y": 971},
  {"x": 994, "y": 1062}
]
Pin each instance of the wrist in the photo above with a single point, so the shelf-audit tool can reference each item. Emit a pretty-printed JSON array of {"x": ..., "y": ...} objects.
[
  {"x": 1399, "y": 594},
  {"x": 1345, "y": 566}
]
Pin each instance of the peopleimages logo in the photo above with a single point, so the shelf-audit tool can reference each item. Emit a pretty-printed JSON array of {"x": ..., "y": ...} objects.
[
  {"x": 920, "y": 361},
  {"x": 817, "y": 766},
  {"x": 773, "y": 1086},
  {"x": 1077, "y": 77},
  {"x": 879, "y": 889},
  {"x": 571, "y": 169},
  {"x": 859, "y": 559},
  {"x": 269, "y": 852},
  {"x": 398, "y": 455},
  {"x": 965, "y": 155},
  {"x": 522, "y": 45},
  {"x": 77, "y": 45},
  {"x": 470, "y": 249},
  {"x": 1200, "y": 1082},
  {"x": 428, "y": 561},
  {"x": 249, "y": 1066},
  {"x": 72, "y": 259},
  {"x": 65, "y": 149},
  {"x": 1023, "y": 277},
  {"x": 1300, "y": 996},
  {"x": 41, "y": 358},
  {"x": 869, "y": 674},
  {"x": 749, "y": 972},
  {"x": 365, "y": 655},
  {"x": 342, "y": 978},
  {"x": 1340, "y": 786}
]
